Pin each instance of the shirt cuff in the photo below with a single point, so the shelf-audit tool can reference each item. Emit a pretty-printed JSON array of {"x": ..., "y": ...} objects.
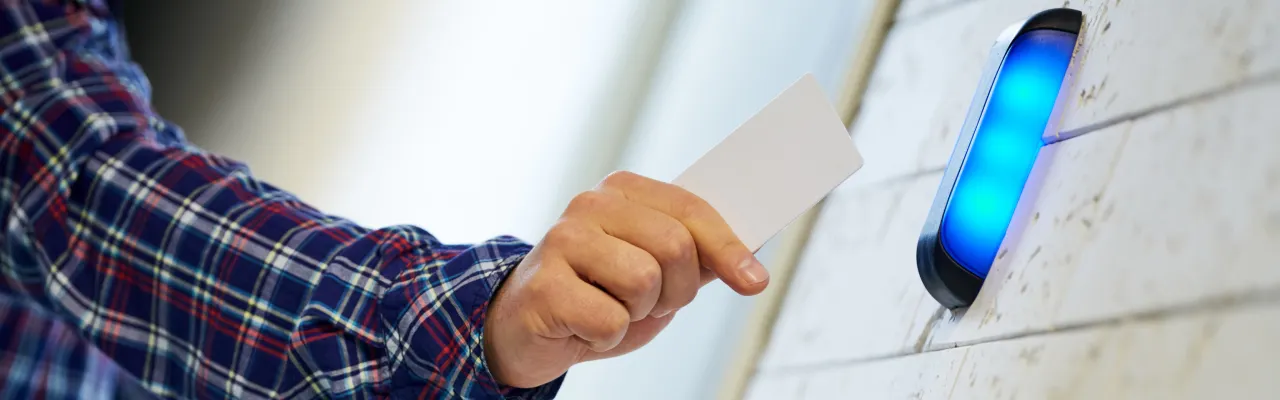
[{"x": 436, "y": 315}]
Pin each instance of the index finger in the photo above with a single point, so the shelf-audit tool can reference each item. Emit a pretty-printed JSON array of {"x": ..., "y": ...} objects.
[{"x": 719, "y": 249}]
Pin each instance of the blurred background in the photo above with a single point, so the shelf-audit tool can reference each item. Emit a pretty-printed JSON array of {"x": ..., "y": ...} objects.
[{"x": 479, "y": 118}]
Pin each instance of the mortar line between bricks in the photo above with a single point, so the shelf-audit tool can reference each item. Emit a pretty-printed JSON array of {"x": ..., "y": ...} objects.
[
  {"x": 1221, "y": 303},
  {"x": 1262, "y": 79}
]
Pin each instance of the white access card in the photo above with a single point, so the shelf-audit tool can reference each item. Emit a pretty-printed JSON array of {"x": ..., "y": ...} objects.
[{"x": 777, "y": 165}]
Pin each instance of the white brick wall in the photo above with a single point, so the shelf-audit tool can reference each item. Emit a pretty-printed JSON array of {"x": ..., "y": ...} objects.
[{"x": 1149, "y": 262}]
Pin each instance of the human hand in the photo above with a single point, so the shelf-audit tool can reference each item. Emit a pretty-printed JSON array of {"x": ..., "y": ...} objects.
[{"x": 608, "y": 276}]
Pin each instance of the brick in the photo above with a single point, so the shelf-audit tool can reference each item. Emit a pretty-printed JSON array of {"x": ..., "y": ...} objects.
[
  {"x": 856, "y": 293},
  {"x": 1228, "y": 355}
]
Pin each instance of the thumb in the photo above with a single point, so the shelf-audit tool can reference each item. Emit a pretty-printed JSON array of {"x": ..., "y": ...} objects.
[{"x": 734, "y": 264}]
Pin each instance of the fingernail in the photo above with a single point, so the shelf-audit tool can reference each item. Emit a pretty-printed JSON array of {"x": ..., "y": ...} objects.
[
  {"x": 599, "y": 347},
  {"x": 751, "y": 271},
  {"x": 662, "y": 314}
]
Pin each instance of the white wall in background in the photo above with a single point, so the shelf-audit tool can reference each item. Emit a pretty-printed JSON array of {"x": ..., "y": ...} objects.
[
  {"x": 461, "y": 117},
  {"x": 472, "y": 120},
  {"x": 726, "y": 60}
]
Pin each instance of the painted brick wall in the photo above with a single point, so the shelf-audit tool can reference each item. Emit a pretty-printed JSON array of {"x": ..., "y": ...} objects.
[{"x": 1148, "y": 265}]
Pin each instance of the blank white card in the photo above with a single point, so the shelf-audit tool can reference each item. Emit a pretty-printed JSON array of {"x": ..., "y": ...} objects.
[{"x": 777, "y": 165}]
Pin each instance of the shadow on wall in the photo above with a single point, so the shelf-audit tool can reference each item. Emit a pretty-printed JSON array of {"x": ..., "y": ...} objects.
[{"x": 188, "y": 49}]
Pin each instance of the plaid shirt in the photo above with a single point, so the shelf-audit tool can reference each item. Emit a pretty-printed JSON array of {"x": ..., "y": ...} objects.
[{"x": 134, "y": 264}]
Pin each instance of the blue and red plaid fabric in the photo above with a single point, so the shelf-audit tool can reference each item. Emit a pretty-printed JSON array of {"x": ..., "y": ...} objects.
[{"x": 134, "y": 264}]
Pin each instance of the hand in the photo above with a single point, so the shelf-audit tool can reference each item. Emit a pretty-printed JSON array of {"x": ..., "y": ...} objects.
[{"x": 609, "y": 276}]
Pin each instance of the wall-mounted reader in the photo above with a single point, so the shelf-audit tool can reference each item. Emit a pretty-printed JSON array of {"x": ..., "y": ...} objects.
[{"x": 997, "y": 148}]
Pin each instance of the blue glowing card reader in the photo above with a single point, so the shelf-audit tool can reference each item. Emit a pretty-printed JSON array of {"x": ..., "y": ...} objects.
[{"x": 993, "y": 157}]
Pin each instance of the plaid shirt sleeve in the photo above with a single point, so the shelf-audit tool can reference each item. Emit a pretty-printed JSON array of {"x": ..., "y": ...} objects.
[{"x": 134, "y": 263}]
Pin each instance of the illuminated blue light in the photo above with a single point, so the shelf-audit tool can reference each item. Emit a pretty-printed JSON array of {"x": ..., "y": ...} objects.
[{"x": 1004, "y": 148}]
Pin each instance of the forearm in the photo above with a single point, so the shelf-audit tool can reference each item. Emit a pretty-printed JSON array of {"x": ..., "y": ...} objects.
[
  {"x": 193, "y": 276},
  {"x": 267, "y": 295}
]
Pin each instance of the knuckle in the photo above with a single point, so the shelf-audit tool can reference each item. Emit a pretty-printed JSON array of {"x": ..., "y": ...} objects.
[
  {"x": 646, "y": 278},
  {"x": 639, "y": 279},
  {"x": 565, "y": 233},
  {"x": 689, "y": 205},
  {"x": 589, "y": 200},
  {"x": 614, "y": 324},
  {"x": 678, "y": 248},
  {"x": 619, "y": 179}
]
